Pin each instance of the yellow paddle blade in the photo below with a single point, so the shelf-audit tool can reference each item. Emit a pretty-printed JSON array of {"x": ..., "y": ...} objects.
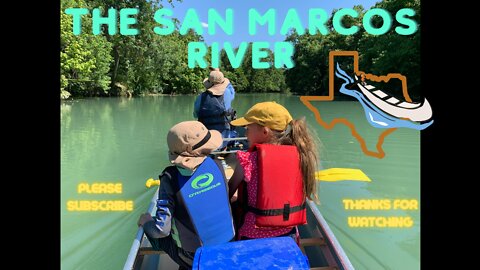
[
  {"x": 341, "y": 174},
  {"x": 150, "y": 182}
]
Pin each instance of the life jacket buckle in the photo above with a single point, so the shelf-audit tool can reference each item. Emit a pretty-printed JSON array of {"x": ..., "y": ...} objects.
[{"x": 286, "y": 211}]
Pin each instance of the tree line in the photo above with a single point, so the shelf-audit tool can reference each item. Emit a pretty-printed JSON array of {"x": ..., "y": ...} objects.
[{"x": 114, "y": 65}]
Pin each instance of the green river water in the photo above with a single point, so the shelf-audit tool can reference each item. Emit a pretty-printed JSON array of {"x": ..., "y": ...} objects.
[{"x": 119, "y": 140}]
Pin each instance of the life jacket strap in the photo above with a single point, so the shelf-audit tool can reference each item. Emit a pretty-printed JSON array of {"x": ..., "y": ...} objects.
[{"x": 285, "y": 211}]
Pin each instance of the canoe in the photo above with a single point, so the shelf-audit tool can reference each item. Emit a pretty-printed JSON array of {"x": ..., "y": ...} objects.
[{"x": 317, "y": 242}]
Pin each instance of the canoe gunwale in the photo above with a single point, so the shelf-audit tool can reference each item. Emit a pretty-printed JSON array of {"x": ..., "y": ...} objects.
[
  {"x": 330, "y": 237},
  {"x": 132, "y": 255}
]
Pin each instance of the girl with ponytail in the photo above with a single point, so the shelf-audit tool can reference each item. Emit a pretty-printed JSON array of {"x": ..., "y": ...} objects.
[{"x": 278, "y": 172}]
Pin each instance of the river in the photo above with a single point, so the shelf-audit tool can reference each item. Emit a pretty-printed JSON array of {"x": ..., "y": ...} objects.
[{"x": 123, "y": 141}]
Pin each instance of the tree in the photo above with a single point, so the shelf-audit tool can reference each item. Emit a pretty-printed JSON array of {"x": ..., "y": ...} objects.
[
  {"x": 394, "y": 53},
  {"x": 247, "y": 79},
  {"x": 380, "y": 55},
  {"x": 84, "y": 59}
]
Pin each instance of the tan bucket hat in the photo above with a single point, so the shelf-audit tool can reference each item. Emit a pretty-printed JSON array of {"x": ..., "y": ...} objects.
[
  {"x": 190, "y": 142},
  {"x": 216, "y": 82}
]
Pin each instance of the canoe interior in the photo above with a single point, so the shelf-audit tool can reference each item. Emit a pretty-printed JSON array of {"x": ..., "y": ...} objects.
[
  {"x": 314, "y": 244},
  {"x": 317, "y": 247}
]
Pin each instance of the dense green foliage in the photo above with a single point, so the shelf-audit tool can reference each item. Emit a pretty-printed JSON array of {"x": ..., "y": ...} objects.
[
  {"x": 249, "y": 80},
  {"x": 150, "y": 63},
  {"x": 379, "y": 54},
  {"x": 84, "y": 59}
]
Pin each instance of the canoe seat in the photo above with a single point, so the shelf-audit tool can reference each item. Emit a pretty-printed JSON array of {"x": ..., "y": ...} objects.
[
  {"x": 149, "y": 251},
  {"x": 316, "y": 241}
]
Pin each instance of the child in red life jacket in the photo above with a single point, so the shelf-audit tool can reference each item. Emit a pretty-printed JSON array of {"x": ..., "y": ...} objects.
[{"x": 278, "y": 171}]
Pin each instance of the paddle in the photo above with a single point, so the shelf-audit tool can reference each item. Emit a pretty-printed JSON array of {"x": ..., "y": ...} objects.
[
  {"x": 341, "y": 174},
  {"x": 151, "y": 182},
  {"x": 328, "y": 175}
]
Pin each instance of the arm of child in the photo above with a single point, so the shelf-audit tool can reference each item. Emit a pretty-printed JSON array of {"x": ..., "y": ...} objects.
[
  {"x": 235, "y": 181},
  {"x": 161, "y": 225},
  {"x": 144, "y": 218}
]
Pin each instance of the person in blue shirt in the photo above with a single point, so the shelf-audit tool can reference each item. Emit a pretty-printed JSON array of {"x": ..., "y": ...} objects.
[{"x": 213, "y": 107}]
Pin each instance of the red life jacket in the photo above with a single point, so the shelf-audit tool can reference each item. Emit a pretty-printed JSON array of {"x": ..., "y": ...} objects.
[{"x": 280, "y": 198}]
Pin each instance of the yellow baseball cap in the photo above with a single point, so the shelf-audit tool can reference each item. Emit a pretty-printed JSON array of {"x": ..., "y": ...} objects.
[{"x": 268, "y": 114}]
